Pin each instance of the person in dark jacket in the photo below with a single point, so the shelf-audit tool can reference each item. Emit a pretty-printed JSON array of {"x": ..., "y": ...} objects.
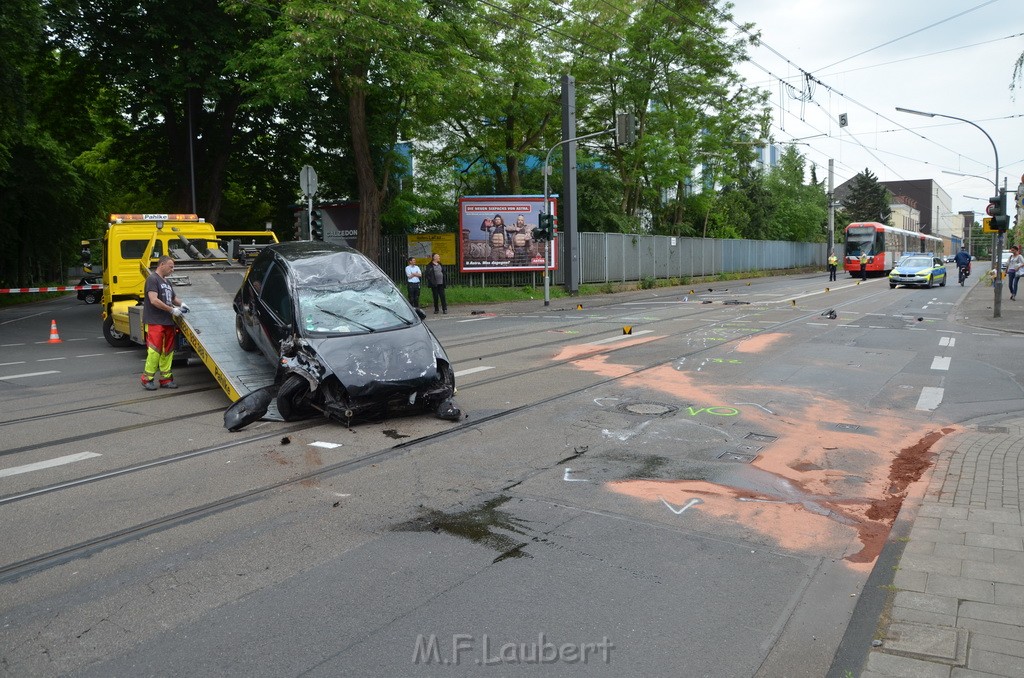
[{"x": 436, "y": 281}]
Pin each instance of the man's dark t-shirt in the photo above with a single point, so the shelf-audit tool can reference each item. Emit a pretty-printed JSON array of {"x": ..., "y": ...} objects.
[{"x": 150, "y": 314}]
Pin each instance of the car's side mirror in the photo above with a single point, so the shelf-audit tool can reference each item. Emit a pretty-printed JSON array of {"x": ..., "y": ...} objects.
[{"x": 421, "y": 314}]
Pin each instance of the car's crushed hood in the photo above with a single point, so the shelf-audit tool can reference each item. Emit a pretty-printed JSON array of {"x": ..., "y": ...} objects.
[{"x": 372, "y": 364}]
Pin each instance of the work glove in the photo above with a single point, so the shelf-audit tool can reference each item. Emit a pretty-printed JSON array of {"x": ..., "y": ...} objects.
[
  {"x": 176, "y": 312},
  {"x": 184, "y": 307}
]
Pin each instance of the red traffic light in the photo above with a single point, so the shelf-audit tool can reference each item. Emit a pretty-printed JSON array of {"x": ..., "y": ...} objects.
[{"x": 995, "y": 206}]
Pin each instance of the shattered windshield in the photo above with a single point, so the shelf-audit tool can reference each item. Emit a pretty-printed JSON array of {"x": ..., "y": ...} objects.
[{"x": 353, "y": 307}]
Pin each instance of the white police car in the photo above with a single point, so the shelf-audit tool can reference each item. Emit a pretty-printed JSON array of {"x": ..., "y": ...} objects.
[{"x": 922, "y": 270}]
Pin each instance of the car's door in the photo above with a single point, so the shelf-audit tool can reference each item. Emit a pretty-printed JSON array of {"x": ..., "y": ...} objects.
[
  {"x": 276, "y": 311},
  {"x": 248, "y": 305}
]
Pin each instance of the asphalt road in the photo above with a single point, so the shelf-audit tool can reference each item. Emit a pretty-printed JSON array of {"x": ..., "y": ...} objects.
[{"x": 704, "y": 496}]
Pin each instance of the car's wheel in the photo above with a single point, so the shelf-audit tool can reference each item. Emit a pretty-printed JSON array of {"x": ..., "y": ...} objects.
[
  {"x": 293, "y": 399},
  {"x": 91, "y": 297},
  {"x": 891, "y": 286},
  {"x": 929, "y": 285},
  {"x": 113, "y": 336},
  {"x": 943, "y": 283},
  {"x": 244, "y": 340}
]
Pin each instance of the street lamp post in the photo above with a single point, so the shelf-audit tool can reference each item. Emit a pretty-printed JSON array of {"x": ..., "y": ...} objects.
[{"x": 997, "y": 283}]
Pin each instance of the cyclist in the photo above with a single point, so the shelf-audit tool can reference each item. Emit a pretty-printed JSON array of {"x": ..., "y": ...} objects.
[{"x": 963, "y": 264}]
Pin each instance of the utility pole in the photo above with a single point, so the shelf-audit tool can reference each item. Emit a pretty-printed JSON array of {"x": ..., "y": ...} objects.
[{"x": 831, "y": 207}]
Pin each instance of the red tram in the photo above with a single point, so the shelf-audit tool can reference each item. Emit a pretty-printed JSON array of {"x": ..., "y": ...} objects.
[{"x": 884, "y": 246}]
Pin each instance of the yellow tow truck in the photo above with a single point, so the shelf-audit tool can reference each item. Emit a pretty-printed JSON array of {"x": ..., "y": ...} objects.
[{"x": 209, "y": 266}]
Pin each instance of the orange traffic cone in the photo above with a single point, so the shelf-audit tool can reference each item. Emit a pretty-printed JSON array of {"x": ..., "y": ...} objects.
[{"x": 54, "y": 337}]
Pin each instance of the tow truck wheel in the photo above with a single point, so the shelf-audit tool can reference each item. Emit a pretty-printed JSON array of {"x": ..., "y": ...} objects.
[
  {"x": 244, "y": 340},
  {"x": 293, "y": 399},
  {"x": 113, "y": 337}
]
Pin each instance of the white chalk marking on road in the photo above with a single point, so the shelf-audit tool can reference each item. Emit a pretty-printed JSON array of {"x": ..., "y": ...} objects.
[
  {"x": 930, "y": 398},
  {"x": 327, "y": 446},
  {"x": 756, "y": 405},
  {"x": 619, "y": 338},
  {"x": 45, "y": 360},
  {"x": 939, "y": 363},
  {"x": 673, "y": 509},
  {"x": 567, "y": 479},
  {"x": 473, "y": 370},
  {"x": 947, "y": 341},
  {"x": 49, "y": 463},
  {"x": 29, "y": 374},
  {"x": 597, "y": 401}
]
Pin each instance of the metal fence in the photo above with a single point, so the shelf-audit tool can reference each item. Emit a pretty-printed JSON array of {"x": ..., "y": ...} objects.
[{"x": 620, "y": 257}]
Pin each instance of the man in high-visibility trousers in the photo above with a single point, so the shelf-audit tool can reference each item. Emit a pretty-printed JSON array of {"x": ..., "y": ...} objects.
[
  {"x": 159, "y": 306},
  {"x": 863, "y": 266}
]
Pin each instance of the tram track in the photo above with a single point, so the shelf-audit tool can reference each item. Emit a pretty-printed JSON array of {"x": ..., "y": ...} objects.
[{"x": 34, "y": 564}]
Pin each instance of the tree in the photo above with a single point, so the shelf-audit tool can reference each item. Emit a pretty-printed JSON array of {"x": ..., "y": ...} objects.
[
  {"x": 799, "y": 209},
  {"x": 867, "y": 200}
]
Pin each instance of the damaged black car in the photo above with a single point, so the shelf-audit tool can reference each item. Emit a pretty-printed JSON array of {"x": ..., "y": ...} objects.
[{"x": 346, "y": 343}]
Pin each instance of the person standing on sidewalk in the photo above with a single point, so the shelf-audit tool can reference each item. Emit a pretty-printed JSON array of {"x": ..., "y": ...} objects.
[
  {"x": 412, "y": 278},
  {"x": 833, "y": 264},
  {"x": 863, "y": 265},
  {"x": 1014, "y": 270},
  {"x": 160, "y": 305},
  {"x": 436, "y": 282}
]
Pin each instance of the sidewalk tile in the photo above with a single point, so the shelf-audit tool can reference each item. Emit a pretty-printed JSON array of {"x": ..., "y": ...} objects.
[
  {"x": 994, "y": 663},
  {"x": 1009, "y": 574},
  {"x": 1003, "y": 614},
  {"x": 976, "y": 626},
  {"x": 1013, "y": 648},
  {"x": 969, "y": 526},
  {"x": 1006, "y": 515},
  {"x": 925, "y": 547},
  {"x": 979, "y": 553},
  {"x": 928, "y": 522},
  {"x": 937, "y": 536},
  {"x": 926, "y": 602},
  {"x": 1001, "y": 557},
  {"x": 1005, "y": 530},
  {"x": 893, "y": 665},
  {"x": 970, "y": 673},
  {"x": 1010, "y": 594},
  {"x": 910, "y": 580},
  {"x": 995, "y": 541},
  {"x": 961, "y": 587},
  {"x": 907, "y": 614},
  {"x": 936, "y": 511},
  {"x": 926, "y": 563}
]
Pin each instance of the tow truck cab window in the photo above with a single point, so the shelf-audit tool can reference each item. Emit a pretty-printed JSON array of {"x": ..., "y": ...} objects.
[{"x": 135, "y": 249}]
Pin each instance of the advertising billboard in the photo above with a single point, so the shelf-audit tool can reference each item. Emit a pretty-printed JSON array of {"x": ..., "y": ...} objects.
[{"x": 496, "y": 233}]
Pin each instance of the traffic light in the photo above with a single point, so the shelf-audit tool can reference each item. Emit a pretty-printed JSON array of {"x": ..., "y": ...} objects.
[
  {"x": 997, "y": 210},
  {"x": 316, "y": 224},
  {"x": 625, "y": 129},
  {"x": 545, "y": 231}
]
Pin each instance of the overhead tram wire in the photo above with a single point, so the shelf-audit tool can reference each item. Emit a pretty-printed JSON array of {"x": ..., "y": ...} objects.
[{"x": 907, "y": 35}]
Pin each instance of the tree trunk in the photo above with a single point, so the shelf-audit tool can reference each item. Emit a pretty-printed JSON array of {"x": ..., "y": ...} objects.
[
  {"x": 371, "y": 197},
  {"x": 220, "y": 153}
]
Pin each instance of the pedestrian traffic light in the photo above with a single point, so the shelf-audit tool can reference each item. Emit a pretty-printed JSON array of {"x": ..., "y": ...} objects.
[
  {"x": 316, "y": 224},
  {"x": 626, "y": 129},
  {"x": 546, "y": 229}
]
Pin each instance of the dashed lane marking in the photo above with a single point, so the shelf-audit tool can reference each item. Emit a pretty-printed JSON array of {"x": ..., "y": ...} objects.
[
  {"x": 29, "y": 374},
  {"x": 49, "y": 463},
  {"x": 931, "y": 397},
  {"x": 947, "y": 341},
  {"x": 940, "y": 363},
  {"x": 473, "y": 370}
]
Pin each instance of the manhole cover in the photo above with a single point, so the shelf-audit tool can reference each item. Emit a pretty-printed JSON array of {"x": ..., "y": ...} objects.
[
  {"x": 847, "y": 427},
  {"x": 737, "y": 456},
  {"x": 750, "y": 449},
  {"x": 992, "y": 429},
  {"x": 648, "y": 409},
  {"x": 761, "y": 437}
]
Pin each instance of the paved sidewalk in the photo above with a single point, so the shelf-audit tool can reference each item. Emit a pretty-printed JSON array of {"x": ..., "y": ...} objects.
[{"x": 958, "y": 608}]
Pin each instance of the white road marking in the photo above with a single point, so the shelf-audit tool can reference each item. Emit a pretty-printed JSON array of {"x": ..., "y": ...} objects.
[
  {"x": 947, "y": 341},
  {"x": 328, "y": 446},
  {"x": 566, "y": 478},
  {"x": 939, "y": 363},
  {"x": 90, "y": 355},
  {"x": 45, "y": 360},
  {"x": 49, "y": 463},
  {"x": 619, "y": 338},
  {"x": 17, "y": 362},
  {"x": 930, "y": 398},
  {"x": 30, "y": 374},
  {"x": 673, "y": 509},
  {"x": 473, "y": 370},
  {"x": 473, "y": 320},
  {"x": 822, "y": 324}
]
